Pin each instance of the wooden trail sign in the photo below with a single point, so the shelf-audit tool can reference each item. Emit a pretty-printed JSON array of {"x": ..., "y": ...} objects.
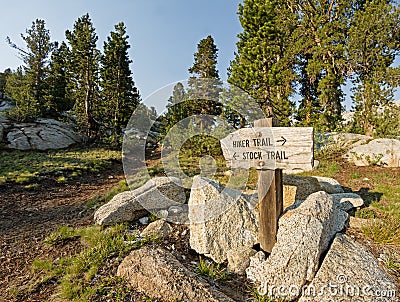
[
  {"x": 269, "y": 150},
  {"x": 287, "y": 148}
]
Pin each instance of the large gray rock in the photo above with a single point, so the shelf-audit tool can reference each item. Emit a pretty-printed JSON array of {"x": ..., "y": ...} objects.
[
  {"x": 350, "y": 272},
  {"x": 158, "y": 193},
  {"x": 303, "y": 236},
  {"x": 158, "y": 274},
  {"x": 44, "y": 134},
  {"x": 348, "y": 201},
  {"x": 329, "y": 185},
  {"x": 122, "y": 208},
  {"x": 305, "y": 185},
  {"x": 383, "y": 152},
  {"x": 221, "y": 221}
]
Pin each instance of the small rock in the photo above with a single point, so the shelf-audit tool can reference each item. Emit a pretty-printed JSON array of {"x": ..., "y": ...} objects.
[
  {"x": 175, "y": 210},
  {"x": 122, "y": 208},
  {"x": 358, "y": 223},
  {"x": 144, "y": 220},
  {"x": 239, "y": 260},
  {"x": 158, "y": 228},
  {"x": 228, "y": 173},
  {"x": 162, "y": 214}
]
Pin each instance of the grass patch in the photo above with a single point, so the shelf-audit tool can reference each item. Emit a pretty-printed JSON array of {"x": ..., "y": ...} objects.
[
  {"x": 79, "y": 276},
  {"x": 212, "y": 270},
  {"x": 383, "y": 231},
  {"x": 381, "y": 194},
  {"x": 29, "y": 166},
  {"x": 386, "y": 207}
]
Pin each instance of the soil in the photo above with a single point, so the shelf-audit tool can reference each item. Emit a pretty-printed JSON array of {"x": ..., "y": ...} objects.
[{"x": 27, "y": 216}]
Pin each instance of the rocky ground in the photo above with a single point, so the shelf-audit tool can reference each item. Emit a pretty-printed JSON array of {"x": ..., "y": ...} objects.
[{"x": 27, "y": 216}]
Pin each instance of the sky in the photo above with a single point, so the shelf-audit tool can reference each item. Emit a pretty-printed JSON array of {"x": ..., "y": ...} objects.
[{"x": 163, "y": 33}]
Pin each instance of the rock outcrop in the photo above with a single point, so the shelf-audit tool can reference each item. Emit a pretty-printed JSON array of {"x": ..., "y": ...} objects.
[
  {"x": 157, "y": 194},
  {"x": 382, "y": 152},
  {"x": 340, "y": 141},
  {"x": 303, "y": 236},
  {"x": 43, "y": 134},
  {"x": 158, "y": 274}
]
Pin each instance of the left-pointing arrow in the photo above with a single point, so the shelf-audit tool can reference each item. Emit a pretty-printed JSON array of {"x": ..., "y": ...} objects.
[{"x": 235, "y": 156}]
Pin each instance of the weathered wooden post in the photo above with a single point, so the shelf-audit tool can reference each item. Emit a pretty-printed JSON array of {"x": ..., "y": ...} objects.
[
  {"x": 270, "y": 197},
  {"x": 270, "y": 150}
]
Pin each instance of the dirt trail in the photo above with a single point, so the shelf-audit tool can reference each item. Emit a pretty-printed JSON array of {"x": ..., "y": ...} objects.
[{"x": 27, "y": 216}]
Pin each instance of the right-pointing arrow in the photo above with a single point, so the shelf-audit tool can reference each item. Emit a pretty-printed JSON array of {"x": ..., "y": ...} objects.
[{"x": 283, "y": 140}]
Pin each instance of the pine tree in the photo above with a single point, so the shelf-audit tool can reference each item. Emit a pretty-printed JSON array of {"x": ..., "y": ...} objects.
[
  {"x": 58, "y": 100},
  {"x": 177, "y": 107},
  {"x": 321, "y": 36},
  {"x": 373, "y": 46},
  {"x": 18, "y": 88},
  {"x": 35, "y": 69},
  {"x": 119, "y": 95},
  {"x": 309, "y": 111},
  {"x": 260, "y": 67},
  {"x": 204, "y": 83},
  {"x": 83, "y": 66}
]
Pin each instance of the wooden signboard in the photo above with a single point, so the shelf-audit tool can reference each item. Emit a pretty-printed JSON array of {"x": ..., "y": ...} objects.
[
  {"x": 269, "y": 150},
  {"x": 287, "y": 148}
]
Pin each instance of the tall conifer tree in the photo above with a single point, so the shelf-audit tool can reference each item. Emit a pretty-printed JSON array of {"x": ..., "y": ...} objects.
[
  {"x": 204, "y": 83},
  {"x": 58, "y": 98},
  {"x": 374, "y": 43},
  {"x": 119, "y": 94},
  {"x": 260, "y": 66},
  {"x": 84, "y": 68},
  {"x": 35, "y": 70},
  {"x": 177, "y": 107}
]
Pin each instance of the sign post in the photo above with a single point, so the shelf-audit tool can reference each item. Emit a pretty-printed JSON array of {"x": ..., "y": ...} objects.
[
  {"x": 270, "y": 149},
  {"x": 270, "y": 197}
]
